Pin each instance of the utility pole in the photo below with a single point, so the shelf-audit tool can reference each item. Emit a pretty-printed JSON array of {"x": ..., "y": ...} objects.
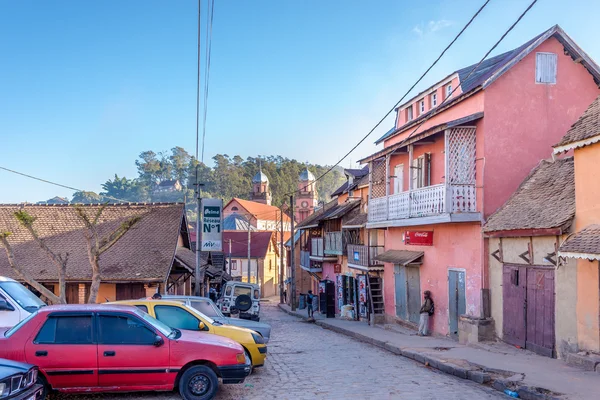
[
  {"x": 199, "y": 273},
  {"x": 281, "y": 283},
  {"x": 293, "y": 258},
  {"x": 229, "y": 257},
  {"x": 249, "y": 242}
]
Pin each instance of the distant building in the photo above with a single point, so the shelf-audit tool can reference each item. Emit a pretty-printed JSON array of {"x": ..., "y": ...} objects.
[
  {"x": 261, "y": 192},
  {"x": 168, "y": 186},
  {"x": 307, "y": 196},
  {"x": 55, "y": 200}
]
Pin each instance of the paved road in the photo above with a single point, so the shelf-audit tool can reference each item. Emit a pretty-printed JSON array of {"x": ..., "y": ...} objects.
[{"x": 308, "y": 362}]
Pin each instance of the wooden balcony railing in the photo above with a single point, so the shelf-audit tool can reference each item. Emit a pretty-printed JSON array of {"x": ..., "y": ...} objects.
[
  {"x": 363, "y": 255},
  {"x": 334, "y": 243}
]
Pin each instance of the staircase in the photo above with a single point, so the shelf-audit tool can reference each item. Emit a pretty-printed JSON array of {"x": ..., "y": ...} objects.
[{"x": 376, "y": 295}]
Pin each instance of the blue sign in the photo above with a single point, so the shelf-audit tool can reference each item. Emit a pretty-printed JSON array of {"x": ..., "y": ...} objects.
[{"x": 356, "y": 256}]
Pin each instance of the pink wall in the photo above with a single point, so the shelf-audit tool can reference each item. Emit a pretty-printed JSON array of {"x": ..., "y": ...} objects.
[
  {"x": 523, "y": 119},
  {"x": 444, "y": 116},
  {"x": 454, "y": 246}
]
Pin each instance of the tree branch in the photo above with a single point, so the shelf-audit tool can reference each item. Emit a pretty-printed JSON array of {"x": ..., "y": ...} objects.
[
  {"x": 25, "y": 276},
  {"x": 107, "y": 242}
]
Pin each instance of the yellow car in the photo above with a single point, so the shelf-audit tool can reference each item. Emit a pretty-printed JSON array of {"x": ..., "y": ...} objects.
[{"x": 180, "y": 316}]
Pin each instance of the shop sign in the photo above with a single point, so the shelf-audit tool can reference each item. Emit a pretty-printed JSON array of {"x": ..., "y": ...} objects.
[
  {"x": 362, "y": 295},
  {"x": 419, "y": 238},
  {"x": 212, "y": 220},
  {"x": 356, "y": 256},
  {"x": 337, "y": 268}
]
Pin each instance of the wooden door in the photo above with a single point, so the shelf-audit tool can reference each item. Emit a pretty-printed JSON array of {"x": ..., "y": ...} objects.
[
  {"x": 401, "y": 295},
  {"x": 457, "y": 304},
  {"x": 413, "y": 281},
  {"x": 514, "y": 294},
  {"x": 540, "y": 311},
  {"x": 398, "y": 179},
  {"x": 130, "y": 291},
  {"x": 72, "y": 293}
]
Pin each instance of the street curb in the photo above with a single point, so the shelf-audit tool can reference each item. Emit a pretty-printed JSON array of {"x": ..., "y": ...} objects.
[{"x": 474, "y": 374}]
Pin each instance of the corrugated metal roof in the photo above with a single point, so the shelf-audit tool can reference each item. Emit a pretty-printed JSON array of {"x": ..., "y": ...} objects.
[{"x": 401, "y": 257}]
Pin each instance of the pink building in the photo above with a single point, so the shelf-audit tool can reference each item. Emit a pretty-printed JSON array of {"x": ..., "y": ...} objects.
[{"x": 433, "y": 185}]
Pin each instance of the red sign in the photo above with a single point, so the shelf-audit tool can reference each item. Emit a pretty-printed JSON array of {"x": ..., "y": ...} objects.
[
  {"x": 419, "y": 238},
  {"x": 337, "y": 268}
]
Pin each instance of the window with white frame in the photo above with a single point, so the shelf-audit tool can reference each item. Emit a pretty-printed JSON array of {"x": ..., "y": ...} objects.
[
  {"x": 421, "y": 106},
  {"x": 545, "y": 67},
  {"x": 409, "y": 114},
  {"x": 234, "y": 265},
  {"x": 398, "y": 178},
  {"x": 433, "y": 99},
  {"x": 420, "y": 171},
  {"x": 448, "y": 90}
]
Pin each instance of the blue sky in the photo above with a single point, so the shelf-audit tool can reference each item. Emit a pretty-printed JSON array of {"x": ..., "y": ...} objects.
[{"x": 85, "y": 86}]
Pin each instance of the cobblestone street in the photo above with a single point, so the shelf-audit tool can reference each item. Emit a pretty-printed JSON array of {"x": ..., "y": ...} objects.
[{"x": 308, "y": 362}]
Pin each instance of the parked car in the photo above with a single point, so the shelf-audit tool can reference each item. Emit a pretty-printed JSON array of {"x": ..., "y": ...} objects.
[
  {"x": 18, "y": 381},
  {"x": 16, "y": 302},
  {"x": 181, "y": 316},
  {"x": 109, "y": 348},
  {"x": 207, "y": 307},
  {"x": 240, "y": 297}
]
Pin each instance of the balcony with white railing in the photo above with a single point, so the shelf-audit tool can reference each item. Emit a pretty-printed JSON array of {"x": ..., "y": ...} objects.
[{"x": 443, "y": 201}]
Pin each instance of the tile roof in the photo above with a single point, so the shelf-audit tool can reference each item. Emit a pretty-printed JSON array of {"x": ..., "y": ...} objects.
[
  {"x": 332, "y": 210},
  {"x": 259, "y": 243},
  {"x": 260, "y": 211},
  {"x": 494, "y": 67},
  {"x": 359, "y": 220},
  {"x": 544, "y": 200},
  {"x": 585, "y": 244},
  {"x": 144, "y": 253},
  {"x": 586, "y": 129}
]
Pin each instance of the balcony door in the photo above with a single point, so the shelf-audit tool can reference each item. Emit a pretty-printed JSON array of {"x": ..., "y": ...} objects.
[{"x": 399, "y": 178}]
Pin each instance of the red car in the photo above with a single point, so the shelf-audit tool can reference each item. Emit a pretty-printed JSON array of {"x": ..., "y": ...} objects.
[{"x": 104, "y": 348}]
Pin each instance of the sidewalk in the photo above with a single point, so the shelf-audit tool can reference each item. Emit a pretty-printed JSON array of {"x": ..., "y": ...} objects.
[{"x": 496, "y": 364}]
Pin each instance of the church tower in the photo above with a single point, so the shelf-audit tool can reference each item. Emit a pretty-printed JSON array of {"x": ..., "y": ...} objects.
[
  {"x": 307, "y": 197},
  {"x": 261, "y": 193}
]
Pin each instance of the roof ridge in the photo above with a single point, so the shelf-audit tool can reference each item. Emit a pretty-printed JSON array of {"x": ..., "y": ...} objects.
[{"x": 91, "y": 204}]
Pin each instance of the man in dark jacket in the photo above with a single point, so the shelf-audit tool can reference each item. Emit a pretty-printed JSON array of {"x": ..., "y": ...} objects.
[{"x": 426, "y": 311}]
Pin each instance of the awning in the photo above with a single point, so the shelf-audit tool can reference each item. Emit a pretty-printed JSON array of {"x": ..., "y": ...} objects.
[
  {"x": 584, "y": 244},
  {"x": 401, "y": 257},
  {"x": 314, "y": 275}
]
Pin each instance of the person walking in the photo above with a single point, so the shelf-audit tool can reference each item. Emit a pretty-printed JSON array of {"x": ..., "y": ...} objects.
[
  {"x": 309, "y": 304},
  {"x": 284, "y": 295},
  {"x": 425, "y": 313}
]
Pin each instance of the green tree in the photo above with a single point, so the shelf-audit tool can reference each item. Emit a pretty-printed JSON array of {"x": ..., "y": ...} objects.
[{"x": 124, "y": 189}]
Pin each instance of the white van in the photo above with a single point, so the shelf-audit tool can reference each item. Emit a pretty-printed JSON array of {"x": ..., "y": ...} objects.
[{"x": 16, "y": 302}]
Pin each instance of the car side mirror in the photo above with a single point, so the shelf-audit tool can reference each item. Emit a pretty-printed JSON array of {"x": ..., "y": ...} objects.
[
  {"x": 158, "y": 341},
  {"x": 202, "y": 326},
  {"x": 4, "y": 306}
]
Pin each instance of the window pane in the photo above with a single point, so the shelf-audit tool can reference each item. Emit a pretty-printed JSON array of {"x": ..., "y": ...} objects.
[
  {"x": 124, "y": 330},
  {"x": 143, "y": 308},
  {"x": 205, "y": 308},
  {"x": 176, "y": 317},
  {"x": 66, "y": 330},
  {"x": 242, "y": 290}
]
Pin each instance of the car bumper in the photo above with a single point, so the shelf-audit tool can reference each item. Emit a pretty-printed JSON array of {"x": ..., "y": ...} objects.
[
  {"x": 258, "y": 354},
  {"x": 33, "y": 393},
  {"x": 234, "y": 373},
  {"x": 250, "y": 316}
]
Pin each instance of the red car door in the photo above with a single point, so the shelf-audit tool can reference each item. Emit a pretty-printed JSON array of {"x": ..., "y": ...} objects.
[
  {"x": 129, "y": 355},
  {"x": 65, "y": 349}
]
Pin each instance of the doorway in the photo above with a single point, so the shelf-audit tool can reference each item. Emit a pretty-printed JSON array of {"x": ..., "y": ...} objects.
[
  {"x": 528, "y": 308},
  {"x": 407, "y": 283},
  {"x": 457, "y": 304}
]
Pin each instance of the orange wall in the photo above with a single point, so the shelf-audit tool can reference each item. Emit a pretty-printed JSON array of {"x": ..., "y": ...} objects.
[
  {"x": 524, "y": 119},
  {"x": 454, "y": 246},
  {"x": 587, "y": 203}
]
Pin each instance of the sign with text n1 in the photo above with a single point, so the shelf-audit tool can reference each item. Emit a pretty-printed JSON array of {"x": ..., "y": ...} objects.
[{"x": 212, "y": 225}]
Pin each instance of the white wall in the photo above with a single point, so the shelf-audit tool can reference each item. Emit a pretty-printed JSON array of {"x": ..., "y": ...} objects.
[{"x": 242, "y": 268}]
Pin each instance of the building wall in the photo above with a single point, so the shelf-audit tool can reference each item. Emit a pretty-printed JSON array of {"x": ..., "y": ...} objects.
[
  {"x": 524, "y": 119},
  {"x": 456, "y": 246},
  {"x": 470, "y": 105},
  {"x": 242, "y": 269},
  {"x": 587, "y": 203},
  {"x": 107, "y": 291},
  {"x": 565, "y": 281}
]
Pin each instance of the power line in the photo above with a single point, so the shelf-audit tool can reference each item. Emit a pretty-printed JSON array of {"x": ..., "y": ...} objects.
[
  {"x": 208, "y": 48},
  {"x": 60, "y": 184},
  {"x": 401, "y": 99}
]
